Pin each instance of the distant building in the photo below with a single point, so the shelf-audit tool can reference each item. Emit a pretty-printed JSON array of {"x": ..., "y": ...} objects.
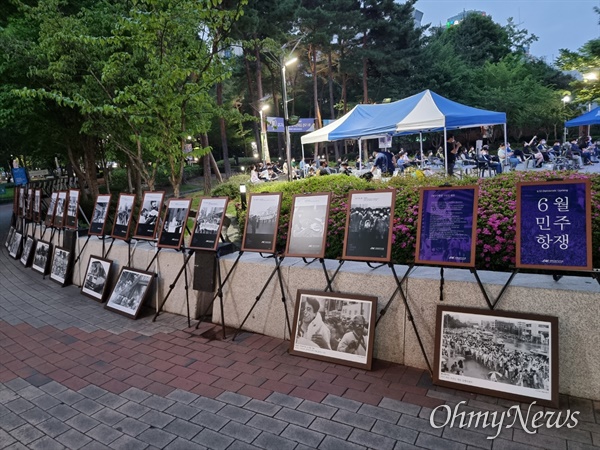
[{"x": 458, "y": 18}]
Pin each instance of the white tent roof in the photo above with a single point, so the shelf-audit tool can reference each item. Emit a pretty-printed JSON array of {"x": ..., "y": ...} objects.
[{"x": 322, "y": 134}]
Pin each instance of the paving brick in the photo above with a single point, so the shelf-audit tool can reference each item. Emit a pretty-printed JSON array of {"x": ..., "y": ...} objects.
[
  {"x": 26, "y": 433},
  {"x": 111, "y": 400},
  {"x": 92, "y": 392},
  {"x": 400, "y": 406},
  {"x": 108, "y": 416},
  {"x": 540, "y": 440},
  {"x": 208, "y": 404},
  {"x": 46, "y": 402},
  {"x": 395, "y": 432},
  {"x": 5, "y": 439},
  {"x": 158, "y": 403},
  {"x": 82, "y": 422},
  {"x": 88, "y": 406},
  {"x": 73, "y": 439},
  {"x": 240, "y": 445},
  {"x": 182, "y": 411},
  {"x": 503, "y": 444},
  {"x": 419, "y": 425},
  {"x": 182, "y": 444},
  {"x": 331, "y": 428},
  {"x": 62, "y": 412},
  {"x": 283, "y": 400},
  {"x": 52, "y": 427},
  {"x": 132, "y": 427},
  {"x": 435, "y": 443},
  {"x": 233, "y": 398},
  {"x": 235, "y": 413},
  {"x": 35, "y": 415},
  {"x": 354, "y": 419},
  {"x": 267, "y": 424},
  {"x": 156, "y": 437},
  {"x": 19, "y": 405},
  {"x": 270, "y": 441},
  {"x": 183, "y": 429},
  {"x": 379, "y": 413},
  {"x": 133, "y": 409},
  {"x": 210, "y": 420},
  {"x": 45, "y": 443},
  {"x": 341, "y": 402},
  {"x": 30, "y": 392},
  {"x": 213, "y": 440},
  {"x": 135, "y": 395},
  {"x": 302, "y": 435},
  {"x": 262, "y": 407},
  {"x": 371, "y": 440},
  {"x": 295, "y": 417},
  {"x": 333, "y": 443},
  {"x": 157, "y": 419},
  {"x": 182, "y": 396},
  {"x": 104, "y": 434},
  {"x": 240, "y": 431},
  {"x": 128, "y": 443},
  {"x": 317, "y": 409}
]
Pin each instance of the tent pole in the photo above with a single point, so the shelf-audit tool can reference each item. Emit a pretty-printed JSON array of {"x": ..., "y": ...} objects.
[
  {"x": 445, "y": 151},
  {"x": 505, "y": 146},
  {"x": 359, "y": 154},
  {"x": 421, "y": 144}
]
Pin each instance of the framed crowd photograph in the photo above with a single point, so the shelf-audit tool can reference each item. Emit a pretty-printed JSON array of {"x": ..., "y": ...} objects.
[
  {"x": 149, "y": 216},
  {"x": 9, "y": 237},
  {"x": 171, "y": 233},
  {"x": 97, "y": 278},
  {"x": 49, "y": 221},
  {"x": 41, "y": 257},
  {"x": 15, "y": 245},
  {"x": 447, "y": 227},
  {"x": 29, "y": 205},
  {"x": 59, "y": 268},
  {"x": 208, "y": 224},
  {"x": 308, "y": 226},
  {"x": 130, "y": 292},
  {"x": 554, "y": 225},
  {"x": 122, "y": 221},
  {"x": 262, "y": 218},
  {"x": 72, "y": 209},
  {"x": 99, "y": 215},
  {"x": 27, "y": 253},
  {"x": 37, "y": 206},
  {"x": 369, "y": 225},
  {"x": 334, "y": 327},
  {"x": 61, "y": 209},
  {"x": 498, "y": 353}
]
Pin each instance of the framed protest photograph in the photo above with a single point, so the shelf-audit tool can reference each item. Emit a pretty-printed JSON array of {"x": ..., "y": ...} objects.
[
  {"x": 29, "y": 205},
  {"x": 262, "y": 219},
  {"x": 15, "y": 245},
  {"x": 97, "y": 278},
  {"x": 447, "y": 226},
  {"x": 22, "y": 201},
  {"x": 130, "y": 292},
  {"x": 99, "y": 215},
  {"x": 149, "y": 216},
  {"x": 171, "y": 233},
  {"x": 497, "y": 353},
  {"x": 308, "y": 225},
  {"x": 208, "y": 224},
  {"x": 49, "y": 221},
  {"x": 122, "y": 221},
  {"x": 72, "y": 209},
  {"x": 334, "y": 327},
  {"x": 59, "y": 268},
  {"x": 41, "y": 257},
  {"x": 61, "y": 209},
  {"x": 369, "y": 225},
  {"x": 9, "y": 237},
  {"x": 554, "y": 225},
  {"x": 27, "y": 253},
  {"x": 37, "y": 206}
]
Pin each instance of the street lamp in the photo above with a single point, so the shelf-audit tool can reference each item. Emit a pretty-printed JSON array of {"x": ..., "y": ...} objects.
[
  {"x": 566, "y": 99},
  {"x": 286, "y": 125},
  {"x": 264, "y": 144}
]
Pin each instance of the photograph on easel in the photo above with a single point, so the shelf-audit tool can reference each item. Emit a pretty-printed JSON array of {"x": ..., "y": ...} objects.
[
  {"x": 122, "y": 221},
  {"x": 308, "y": 226},
  {"x": 37, "y": 206},
  {"x": 262, "y": 217},
  {"x": 130, "y": 292},
  {"x": 9, "y": 237},
  {"x": 22, "y": 205},
  {"x": 27, "y": 253},
  {"x": 209, "y": 221},
  {"x": 370, "y": 217},
  {"x": 171, "y": 233},
  {"x": 72, "y": 209},
  {"x": 61, "y": 209},
  {"x": 99, "y": 215},
  {"x": 29, "y": 205},
  {"x": 41, "y": 257},
  {"x": 15, "y": 245},
  {"x": 97, "y": 278},
  {"x": 59, "y": 269},
  {"x": 51, "y": 208},
  {"x": 149, "y": 216}
]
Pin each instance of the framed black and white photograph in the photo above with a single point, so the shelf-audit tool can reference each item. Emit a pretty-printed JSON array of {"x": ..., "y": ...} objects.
[
  {"x": 171, "y": 233},
  {"x": 308, "y": 226},
  {"x": 61, "y": 209},
  {"x": 72, "y": 209},
  {"x": 99, "y": 215},
  {"x": 262, "y": 219},
  {"x": 122, "y": 221},
  {"x": 37, "y": 206},
  {"x": 9, "y": 237},
  {"x": 209, "y": 221},
  {"x": 334, "y": 327},
  {"x": 41, "y": 257},
  {"x": 497, "y": 353},
  {"x": 149, "y": 216},
  {"x": 49, "y": 221},
  {"x": 29, "y": 205},
  {"x": 27, "y": 253},
  {"x": 369, "y": 225},
  {"x": 22, "y": 204},
  {"x": 15, "y": 245},
  {"x": 97, "y": 278},
  {"x": 59, "y": 268},
  {"x": 130, "y": 292}
]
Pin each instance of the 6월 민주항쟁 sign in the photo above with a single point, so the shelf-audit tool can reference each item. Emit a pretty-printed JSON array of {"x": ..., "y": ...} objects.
[{"x": 554, "y": 225}]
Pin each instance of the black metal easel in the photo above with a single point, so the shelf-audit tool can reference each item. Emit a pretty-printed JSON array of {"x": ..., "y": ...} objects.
[{"x": 183, "y": 270}]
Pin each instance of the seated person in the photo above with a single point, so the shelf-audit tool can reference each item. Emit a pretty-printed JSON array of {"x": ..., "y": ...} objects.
[
  {"x": 324, "y": 168},
  {"x": 345, "y": 169},
  {"x": 486, "y": 159},
  {"x": 505, "y": 154},
  {"x": 254, "y": 176}
]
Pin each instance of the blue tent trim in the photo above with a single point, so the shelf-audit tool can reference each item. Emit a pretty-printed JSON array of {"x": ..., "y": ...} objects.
[{"x": 589, "y": 118}]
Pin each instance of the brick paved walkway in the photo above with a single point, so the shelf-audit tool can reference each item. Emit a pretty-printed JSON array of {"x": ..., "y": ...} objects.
[{"x": 73, "y": 375}]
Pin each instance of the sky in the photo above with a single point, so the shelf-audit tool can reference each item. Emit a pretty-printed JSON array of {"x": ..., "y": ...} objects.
[{"x": 557, "y": 23}]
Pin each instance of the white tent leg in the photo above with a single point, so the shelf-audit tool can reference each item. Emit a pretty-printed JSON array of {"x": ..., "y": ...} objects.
[
  {"x": 421, "y": 145},
  {"x": 446, "y": 151}
]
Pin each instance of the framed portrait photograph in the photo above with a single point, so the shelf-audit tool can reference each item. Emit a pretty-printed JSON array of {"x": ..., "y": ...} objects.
[
  {"x": 41, "y": 257},
  {"x": 122, "y": 221},
  {"x": 334, "y": 327},
  {"x": 9, "y": 237},
  {"x": 369, "y": 225},
  {"x": 15, "y": 245},
  {"x": 29, "y": 205},
  {"x": 130, "y": 292},
  {"x": 262, "y": 220},
  {"x": 208, "y": 224},
  {"x": 99, "y": 215},
  {"x": 37, "y": 206},
  {"x": 27, "y": 253},
  {"x": 59, "y": 268},
  {"x": 498, "y": 353},
  {"x": 97, "y": 278},
  {"x": 171, "y": 233},
  {"x": 149, "y": 216},
  {"x": 49, "y": 221},
  {"x": 61, "y": 209},
  {"x": 72, "y": 209},
  {"x": 308, "y": 226}
]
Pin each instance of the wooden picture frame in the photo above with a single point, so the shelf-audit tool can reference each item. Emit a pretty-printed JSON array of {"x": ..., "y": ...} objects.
[
  {"x": 149, "y": 216},
  {"x": 72, "y": 209},
  {"x": 60, "y": 267},
  {"x": 97, "y": 278},
  {"x": 130, "y": 292},
  {"x": 9, "y": 237},
  {"x": 262, "y": 221},
  {"x": 471, "y": 343},
  {"x": 14, "y": 248},
  {"x": 334, "y": 327},
  {"x": 41, "y": 257},
  {"x": 22, "y": 204},
  {"x": 29, "y": 204},
  {"x": 369, "y": 221},
  {"x": 99, "y": 215},
  {"x": 173, "y": 228},
  {"x": 37, "y": 206},
  {"x": 61, "y": 209},
  {"x": 28, "y": 251},
  {"x": 309, "y": 218},
  {"x": 208, "y": 223},
  {"x": 49, "y": 220},
  {"x": 123, "y": 214}
]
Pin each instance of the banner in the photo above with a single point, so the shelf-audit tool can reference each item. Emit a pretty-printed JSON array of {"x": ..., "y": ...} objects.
[{"x": 275, "y": 125}]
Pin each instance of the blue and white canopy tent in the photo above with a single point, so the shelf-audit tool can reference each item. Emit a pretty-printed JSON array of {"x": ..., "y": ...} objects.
[
  {"x": 421, "y": 113},
  {"x": 589, "y": 118}
]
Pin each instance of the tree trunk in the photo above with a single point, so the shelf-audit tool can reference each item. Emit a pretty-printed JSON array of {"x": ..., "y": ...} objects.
[
  {"x": 223, "y": 130},
  {"x": 313, "y": 64},
  {"x": 365, "y": 73},
  {"x": 215, "y": 168},
  {"x": 82, "y": 176},
  {"x": 89, "y": 164},
  {"x": 252, "y": 99},
  {"x": 206, "y": 166},
  {"x": 331, "y": 101},
  {"x": 135, "y": 179}
]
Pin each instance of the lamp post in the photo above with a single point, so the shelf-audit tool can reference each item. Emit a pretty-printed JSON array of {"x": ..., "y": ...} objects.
[
  {"x": 566, "y": 99},
  {"x": 286, "y": 126},
  {"x": 264, "y": 144}
]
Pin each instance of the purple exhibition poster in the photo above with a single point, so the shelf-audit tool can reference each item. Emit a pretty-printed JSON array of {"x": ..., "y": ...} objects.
[
  {"x": 554, "y": 225},
  {"x": 447, "y": 226}
]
